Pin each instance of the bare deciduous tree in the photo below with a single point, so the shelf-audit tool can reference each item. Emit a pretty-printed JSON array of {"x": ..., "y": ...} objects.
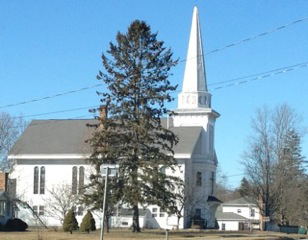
[
  {"x": 10, "y": 130},
  {"x": 224, "y": 191},
  {"x": 60, "y": 201},
  {"x": 269, "y": 172}
]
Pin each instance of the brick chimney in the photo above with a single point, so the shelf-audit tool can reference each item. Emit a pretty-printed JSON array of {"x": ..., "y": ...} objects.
[
  {"x": 3, "y": 181},
  {"x": 103, "y": 112}
]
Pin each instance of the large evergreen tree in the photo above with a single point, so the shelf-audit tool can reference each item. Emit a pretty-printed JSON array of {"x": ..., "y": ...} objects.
[{"x": 136, "y": 75}]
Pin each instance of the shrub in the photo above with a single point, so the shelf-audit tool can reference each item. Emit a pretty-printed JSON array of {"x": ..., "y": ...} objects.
[
  {"x": 16, "y": 224},
  {"x": 70, "y": 222},
  {"x": 88, "y": 223}
]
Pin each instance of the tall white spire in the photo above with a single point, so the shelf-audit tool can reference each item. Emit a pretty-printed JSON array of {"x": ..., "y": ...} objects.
[
  {"x": 194, "y": 76},
  {"x": 194, "y": 91}
]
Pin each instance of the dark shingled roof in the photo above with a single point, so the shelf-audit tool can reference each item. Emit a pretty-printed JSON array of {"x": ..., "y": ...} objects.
[
  {"x": 213, "y": 199},
  {"x": 228, "y": 215},
  {"x": 68, "y": 137},
  {"x": 129, "y": 212}
]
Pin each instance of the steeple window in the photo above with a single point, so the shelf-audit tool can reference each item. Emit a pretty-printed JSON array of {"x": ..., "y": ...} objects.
[
  {"x": 198, "y": 179},
  {"x": 211, "y": 139}
]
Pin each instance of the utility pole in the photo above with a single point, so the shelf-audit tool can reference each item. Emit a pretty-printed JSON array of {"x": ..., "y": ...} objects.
[{"x": 104, "y": 203}]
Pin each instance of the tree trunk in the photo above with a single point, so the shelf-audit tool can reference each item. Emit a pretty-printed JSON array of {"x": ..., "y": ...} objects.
[
  {"x": 178, "y": 225},
  {"x": 106, "y": 222},
  {"x": 136, "y": 227}
]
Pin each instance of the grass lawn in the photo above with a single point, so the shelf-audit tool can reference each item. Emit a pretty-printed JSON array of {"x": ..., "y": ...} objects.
[{"x": 118, "y": 234}]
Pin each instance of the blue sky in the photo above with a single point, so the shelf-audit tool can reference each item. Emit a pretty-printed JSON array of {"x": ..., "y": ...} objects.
[{"x": 49, "y": 47}]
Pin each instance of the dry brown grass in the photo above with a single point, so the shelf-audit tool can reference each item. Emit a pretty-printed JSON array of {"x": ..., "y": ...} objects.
[{"x": 119, "y": 234}]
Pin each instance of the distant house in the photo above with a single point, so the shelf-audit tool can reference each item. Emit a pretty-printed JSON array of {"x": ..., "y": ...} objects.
[
  {"x": 124, "y": 218},
  {"x": 238, "y": 214},
  {"x": 6, "y": 204}
]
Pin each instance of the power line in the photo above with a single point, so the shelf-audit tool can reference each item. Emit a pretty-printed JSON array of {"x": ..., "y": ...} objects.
[
  {"x": 184, "y": 60},
  {"x": 256, "y": 74},
  {"x": 269, "y": 74},
  {"x": 256, "y": 77},
  {"x": 250, "y": 38},
  {"x": 48, "y": 113},
  {"x": 59, "y": 120},
  {"x": 52, "y": 96},
  {"x": 257, "y": 36}
]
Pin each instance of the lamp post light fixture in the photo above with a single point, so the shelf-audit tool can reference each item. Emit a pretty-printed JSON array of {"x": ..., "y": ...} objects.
[{"x": 106, "y": 170}]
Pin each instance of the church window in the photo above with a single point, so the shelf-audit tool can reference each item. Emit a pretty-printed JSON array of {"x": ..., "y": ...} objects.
[
  {"x": 41, "y": 211},
  {"x": 39, "y": 180},
  {"x": 81, "y": 179},
  {"x": 74, "y": 180},
  {"x": 199, "y": 179},
  {"x": 211, "y": 140},
  {"x": 35, "y": 208},
  {"x": 2, "y": 208},
  {"x": 36, "y": 180},
  {"x": 78, "y": 175},
  {"x": 42, "y": 181},
  {"x": 212, "y": 182}
]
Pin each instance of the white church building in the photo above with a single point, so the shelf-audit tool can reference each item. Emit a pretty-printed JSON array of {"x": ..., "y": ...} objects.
[{"x": 53, "y": 153}]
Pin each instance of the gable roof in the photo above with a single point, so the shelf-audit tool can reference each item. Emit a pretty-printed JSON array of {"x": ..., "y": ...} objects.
[
  {"x": 229, "y": 216},
  {"x": 243, "y": 201},
  {"x": 4, "y": 196},
  {"x": 68, "y": 137},
  {"x": 220, "y": 215}
]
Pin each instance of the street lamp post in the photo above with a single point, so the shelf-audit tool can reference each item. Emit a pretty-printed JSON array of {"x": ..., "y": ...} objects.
[
  {"x": 104, "y": 204},
  {"x": 113, "y": 171}
]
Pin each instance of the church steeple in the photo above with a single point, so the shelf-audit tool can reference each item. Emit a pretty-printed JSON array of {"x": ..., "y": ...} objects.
[
  {"x": 194, "y": 91},
  {"x": 194, "y": 76}
]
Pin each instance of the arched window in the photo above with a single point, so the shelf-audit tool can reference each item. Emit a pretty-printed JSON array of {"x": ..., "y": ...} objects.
[
  {"x": 198, "y": 179},
  {"x": 212, "y": 183},
  {"x": 163, "y": 170},
  {"x": 81, "y": 179},
  {"x": 74, "y": 180},
  {"x": 42, "y": 181},
  {"x": 36, "y": 180}
]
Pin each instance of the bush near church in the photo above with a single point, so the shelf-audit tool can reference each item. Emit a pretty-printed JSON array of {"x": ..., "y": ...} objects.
[
  {"x": 88, "y": 223},
  {"x": 16, "y": 224},
  {"x": 70, "y": 222}
]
